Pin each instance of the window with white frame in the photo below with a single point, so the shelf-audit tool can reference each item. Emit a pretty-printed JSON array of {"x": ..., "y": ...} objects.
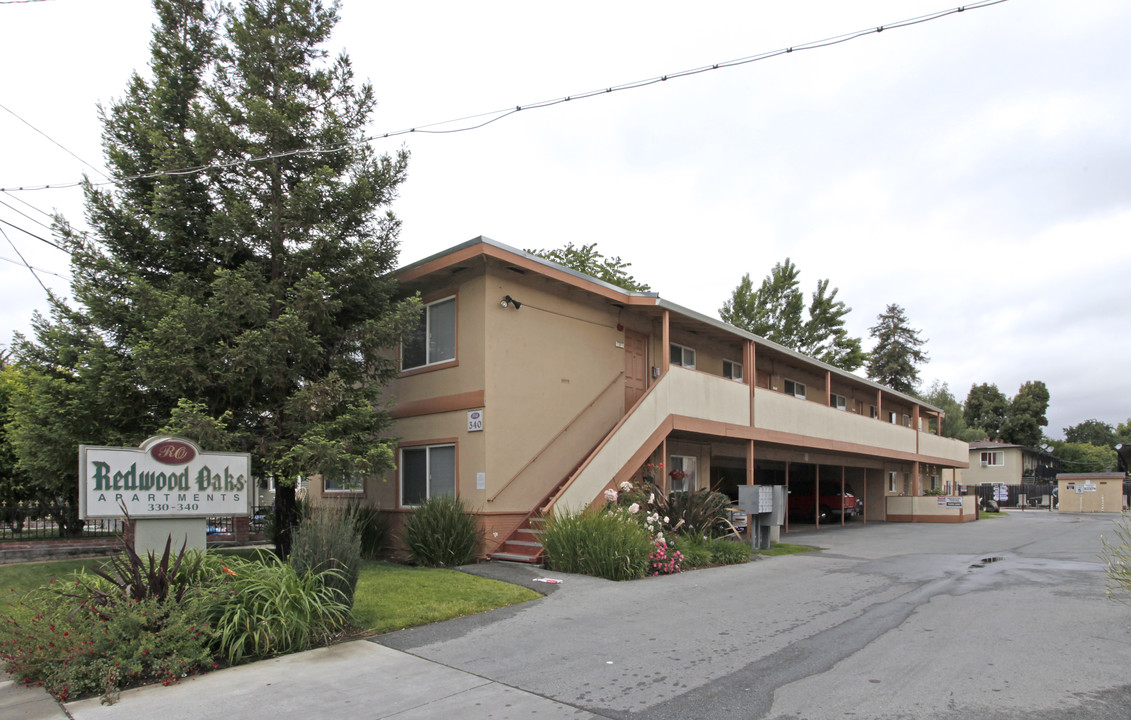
[
  {"x": 351, "y": 484},
  {"x": 893, "y": 417},
  {"x": 683, "y": 356},
  {"x": 682, "y": 473},
  {"x": 906, "y": 420},
  {"x": 427, "y": 471},
  {"x": 434, "y": 338},
  {"x": 892, "y": 477},
  {"x": 993, "y": 458},
  {"x": 794, "y": 388},
  {"x": 840, "y": 402},
  {"x": 732, "y": 370},
  {"x": 873, "y": 412}
]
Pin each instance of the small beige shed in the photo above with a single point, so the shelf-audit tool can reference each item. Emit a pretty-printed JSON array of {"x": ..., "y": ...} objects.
[{"x": 1090, "y": 492}]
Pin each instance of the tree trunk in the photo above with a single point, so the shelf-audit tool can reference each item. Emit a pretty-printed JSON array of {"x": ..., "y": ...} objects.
[{"x": 286, "y": 517}]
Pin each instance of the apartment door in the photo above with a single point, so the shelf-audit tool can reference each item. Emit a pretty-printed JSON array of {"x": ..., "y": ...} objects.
[{"x": 635, "y": 367}]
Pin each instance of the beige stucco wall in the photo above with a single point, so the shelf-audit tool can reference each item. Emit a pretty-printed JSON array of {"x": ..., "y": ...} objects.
[
  {"x": 1106, "y": 498},
  {"x": 1009, "y": 473},
  {"x": 783, "y": 413},
  {"x": 943, "y": 447},
  {"x": 545, "y": 364},
  {"x": 468, "y": 374}
]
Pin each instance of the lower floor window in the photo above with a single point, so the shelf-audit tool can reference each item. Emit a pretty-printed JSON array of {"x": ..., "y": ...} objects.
[
  {"x": 682, "y": 473},
  {"x": 427, "y": 471},
  {"x": 352, "y": 484}
]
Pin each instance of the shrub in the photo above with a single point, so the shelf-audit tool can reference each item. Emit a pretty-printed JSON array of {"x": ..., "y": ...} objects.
[
  {"x": 373, "y": 527},
  {"x": 699, "y": 511},
  {"x": 441, "y": 533},
  {"x": 328, "y": 539},
  {"x": 130, "y": 576},
  {"x": 1117, "y": 556},
  {"x": 725, "y": 551},
  {"x": 604, "y": 544},
  {"x": 72, "y": 648},
  {"x": 266, "y": 607},
  {"x": 664, "y": 559},
  {"x": 696, "y": 551}
]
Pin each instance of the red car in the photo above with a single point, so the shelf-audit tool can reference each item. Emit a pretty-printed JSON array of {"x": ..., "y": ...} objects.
[{"x": 830, "y": 504}]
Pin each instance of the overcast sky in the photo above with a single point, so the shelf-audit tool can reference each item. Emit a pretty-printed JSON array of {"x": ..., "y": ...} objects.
[{"x": 973, "y": 169}]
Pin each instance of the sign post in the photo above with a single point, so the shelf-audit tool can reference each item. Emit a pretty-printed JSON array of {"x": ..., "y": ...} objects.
[{"x": 168, "y": 487}]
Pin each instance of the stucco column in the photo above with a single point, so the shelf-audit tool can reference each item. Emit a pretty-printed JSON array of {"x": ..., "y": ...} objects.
[
  {"x": 666, "y": 350},
  {"x": 749, "y": 462},
  {"x": 828, "y": 387},
  {"x": 915, "y": 479}
]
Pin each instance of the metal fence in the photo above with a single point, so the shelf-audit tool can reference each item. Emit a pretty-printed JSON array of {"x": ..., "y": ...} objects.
[
  {"x": 1036, "y": 495},
  {"x": 35, "y": 521}
]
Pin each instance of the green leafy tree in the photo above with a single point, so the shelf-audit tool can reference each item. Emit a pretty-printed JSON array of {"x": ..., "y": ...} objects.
[
  {"x": 898, "y": 352},
  {"x": 586, "y": 259},
  {"x": 1093, "y": 432},
  {"x": 954, "y": 420},
  {"x": 985, "y": 409},
  {"x": 1025, "y": 418},
  {"x": 249, "y": 300},
  {"x": 1082, "y": 457},
  {"x": 1122, "y": 433},
  {"x": 776, "y": 311}
]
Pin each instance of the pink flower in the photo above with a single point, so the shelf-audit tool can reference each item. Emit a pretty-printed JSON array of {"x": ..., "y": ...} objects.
[
  {"x": 611, "y": 495},
  {"x": 634, "y": 508}
]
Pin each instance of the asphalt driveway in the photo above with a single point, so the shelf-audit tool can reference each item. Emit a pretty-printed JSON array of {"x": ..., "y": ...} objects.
[{"x": 1003, "y": 618}]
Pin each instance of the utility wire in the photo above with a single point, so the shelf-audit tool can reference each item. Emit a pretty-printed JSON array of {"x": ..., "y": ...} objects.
[
  {"x": 33, "y": 207},
  {"x": 37, "y": 269},
  {"x": 25, "y": 262},
  {"x": 41, "y": 239},
  {"x": 497, "y": 115},
  {"x": 53, "y": 140},
  {"x": 29, "y": 217}
]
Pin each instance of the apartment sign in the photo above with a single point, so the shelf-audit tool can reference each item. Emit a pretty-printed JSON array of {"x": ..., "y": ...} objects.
[{"x": 167, "y": 477}]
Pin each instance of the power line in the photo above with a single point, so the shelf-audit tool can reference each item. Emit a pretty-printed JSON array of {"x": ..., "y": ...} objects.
[
  {"x": 37, "y": 269},
  {"x": 496, "y": 115},
  {"x": 25, "y": 262},
  {"x": 53, "y": 140},
  {"x": 29, "y": 217},
  {"x": 41, "y": 239}
]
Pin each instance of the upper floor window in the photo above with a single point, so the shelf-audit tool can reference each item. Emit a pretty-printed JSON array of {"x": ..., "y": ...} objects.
[
  {"x": 434, "y": 339},
  {"x": 840, "y": 402},
  {"x": 794, "y": 388},
  {"x": 893, "y": 418},
  {"x": 993, "y": 458},
  {"x": 873, "y": 412},
  {"x": 732, "y": 370},
  {"x": 683, "y": 356}
]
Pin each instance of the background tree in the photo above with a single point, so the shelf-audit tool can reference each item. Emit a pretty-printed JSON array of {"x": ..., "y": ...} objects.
[
  {"x": 898, "y": 353},
  {"x": 954, "y": 421},
  {"x": 249, "y": 300},
  {"x": 1093, "y": 432},
  {"x": 1082, "y": 457},
  {"x": 586, "y": 259},
  {"x": 1025, "y": 419},
  {"x": 1123, "y": 433},
  {"x": 776, "y": 310},
  {"x": 985, "y": 409}
]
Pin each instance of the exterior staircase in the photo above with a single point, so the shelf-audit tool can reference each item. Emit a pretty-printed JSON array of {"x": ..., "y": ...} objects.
[{"x": 524, "y": 544}]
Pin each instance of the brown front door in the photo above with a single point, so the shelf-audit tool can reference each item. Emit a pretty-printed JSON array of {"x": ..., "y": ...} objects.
[{"x": 635, "y": 367}]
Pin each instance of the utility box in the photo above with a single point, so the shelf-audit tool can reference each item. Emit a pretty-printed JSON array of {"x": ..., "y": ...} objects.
[{"x": 765, "y": 505}]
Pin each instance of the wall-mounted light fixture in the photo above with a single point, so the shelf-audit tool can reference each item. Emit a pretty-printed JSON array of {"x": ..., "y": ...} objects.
[{"x": 508, "y": 300}]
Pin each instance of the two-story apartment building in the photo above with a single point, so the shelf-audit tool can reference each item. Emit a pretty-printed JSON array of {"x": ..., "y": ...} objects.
[{"x": 531, "y": 387}]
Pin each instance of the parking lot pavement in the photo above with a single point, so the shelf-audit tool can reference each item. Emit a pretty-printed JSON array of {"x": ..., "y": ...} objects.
[{"x": 996, "y": 618}]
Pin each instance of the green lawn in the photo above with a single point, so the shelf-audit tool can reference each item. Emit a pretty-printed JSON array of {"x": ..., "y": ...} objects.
[
  {"x": 389, "y": 596},
  {"x": 784, "y": 549},
  {"x": 393, "y": 597}
]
